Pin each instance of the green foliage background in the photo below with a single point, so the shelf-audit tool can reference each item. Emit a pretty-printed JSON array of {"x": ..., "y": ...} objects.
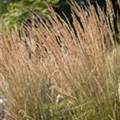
[{"x": 14, "y": 11}]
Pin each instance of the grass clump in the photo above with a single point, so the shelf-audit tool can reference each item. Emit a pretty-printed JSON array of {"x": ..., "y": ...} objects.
[{"x": 61, "y": 73}]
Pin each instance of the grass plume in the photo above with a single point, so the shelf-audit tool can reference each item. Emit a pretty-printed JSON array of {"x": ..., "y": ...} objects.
[{"x": 58, "y": 72}]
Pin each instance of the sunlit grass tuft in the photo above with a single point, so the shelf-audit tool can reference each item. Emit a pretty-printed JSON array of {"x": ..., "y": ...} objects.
[{"x": 61, "y": 73}]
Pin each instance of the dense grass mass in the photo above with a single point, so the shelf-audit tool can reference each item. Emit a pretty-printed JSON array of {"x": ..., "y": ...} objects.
[{"x": 60, "y": 73}]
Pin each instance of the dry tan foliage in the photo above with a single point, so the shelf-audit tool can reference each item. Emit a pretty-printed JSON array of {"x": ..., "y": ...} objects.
[{"x": 53, "y": 59}]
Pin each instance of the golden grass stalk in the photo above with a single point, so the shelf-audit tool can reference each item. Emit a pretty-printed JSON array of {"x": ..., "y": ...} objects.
[{"x": 61, "y": 73}]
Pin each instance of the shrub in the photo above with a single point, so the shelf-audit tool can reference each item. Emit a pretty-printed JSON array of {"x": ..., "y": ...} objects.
[{"x": 56, "y": 73}]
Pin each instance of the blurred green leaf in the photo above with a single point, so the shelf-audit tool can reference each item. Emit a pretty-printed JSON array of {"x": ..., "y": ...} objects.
[{"x": 14, "y": 11}]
